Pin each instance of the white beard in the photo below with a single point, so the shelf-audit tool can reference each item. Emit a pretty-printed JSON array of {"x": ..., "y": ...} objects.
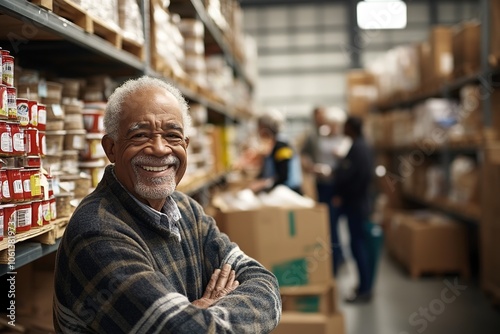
[{"x": 155, "y": 187}]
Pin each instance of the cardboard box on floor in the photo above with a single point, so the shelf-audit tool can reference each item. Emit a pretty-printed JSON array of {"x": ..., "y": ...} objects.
[
  {"x": 310, "y": 323},
  {"x": 430, "y": 243},
  {"x": 294, "y": 243}
]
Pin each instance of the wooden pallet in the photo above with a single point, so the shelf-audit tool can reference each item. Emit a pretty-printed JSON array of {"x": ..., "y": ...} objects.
[
  {"x": 46, "y": 235},
  {"x": 92, "y": 25}
]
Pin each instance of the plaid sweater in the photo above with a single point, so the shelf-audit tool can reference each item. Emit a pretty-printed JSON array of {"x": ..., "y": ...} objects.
[{"x": 117, "y": 271}]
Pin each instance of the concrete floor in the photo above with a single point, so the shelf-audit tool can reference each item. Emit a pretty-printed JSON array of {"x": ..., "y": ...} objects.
[{"x": 430, "y": 305}]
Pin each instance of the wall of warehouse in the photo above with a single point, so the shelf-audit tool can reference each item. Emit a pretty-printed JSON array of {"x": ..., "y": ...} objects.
[{"x": 305, "y": 50}]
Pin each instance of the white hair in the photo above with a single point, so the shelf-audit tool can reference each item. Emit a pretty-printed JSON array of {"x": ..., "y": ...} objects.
[{"x": 114, "y": 105}]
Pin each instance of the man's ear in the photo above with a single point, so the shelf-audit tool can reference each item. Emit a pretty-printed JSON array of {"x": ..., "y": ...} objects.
[
  {"x": 108, "y": 145},
  {"x": 186, "y": 140}
]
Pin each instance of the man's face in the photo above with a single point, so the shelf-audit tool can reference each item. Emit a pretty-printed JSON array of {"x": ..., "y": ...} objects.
[{"x": 150, "y": 153}]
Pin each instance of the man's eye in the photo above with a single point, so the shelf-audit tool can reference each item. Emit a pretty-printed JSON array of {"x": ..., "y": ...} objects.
[{"x": 140, "y": 136}]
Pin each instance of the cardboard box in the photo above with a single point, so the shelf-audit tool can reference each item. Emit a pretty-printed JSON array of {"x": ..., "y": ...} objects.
[
  {"x": 466, "y": 49},
  {"x": 300, "y": 323},
  {"x": 294, "y": 243},
  {"x": 441, "y": 42},
  {"x": 429, "y": 243},
  {"x": 319, "y": 298}
]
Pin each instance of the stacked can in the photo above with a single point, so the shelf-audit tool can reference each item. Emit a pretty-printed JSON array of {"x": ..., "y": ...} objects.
[
  {"x": 93, "y": 158},
  {"x": 22, "y": 145}
]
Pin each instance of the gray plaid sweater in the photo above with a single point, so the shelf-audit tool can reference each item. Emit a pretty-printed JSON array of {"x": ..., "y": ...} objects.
[{"x": 118, "y": 271}]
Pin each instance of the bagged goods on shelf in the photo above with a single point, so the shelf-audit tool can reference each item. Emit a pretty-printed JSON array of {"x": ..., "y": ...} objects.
[{"x": 464, "y": 177}]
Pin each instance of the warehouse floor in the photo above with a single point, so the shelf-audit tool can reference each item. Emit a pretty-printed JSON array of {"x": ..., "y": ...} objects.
[{"x": 429, "y": 304}]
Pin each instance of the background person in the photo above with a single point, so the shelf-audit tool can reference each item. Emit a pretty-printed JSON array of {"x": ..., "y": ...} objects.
[
  {"x": 320, "y": 154},
  {"x": 351, "y": 198},
  {"x": 280, "y": 162},
  {"x": 138, "y": 256}
]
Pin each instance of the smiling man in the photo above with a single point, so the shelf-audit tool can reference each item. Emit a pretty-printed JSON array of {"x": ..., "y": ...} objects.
[{"x": 140, "y": 257}]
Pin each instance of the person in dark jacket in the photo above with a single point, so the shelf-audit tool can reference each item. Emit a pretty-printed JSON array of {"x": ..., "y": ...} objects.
[{"x": 352, "y": 181}]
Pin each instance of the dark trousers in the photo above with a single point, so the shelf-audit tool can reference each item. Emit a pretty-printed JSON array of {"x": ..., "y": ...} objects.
[
  {"x": 356, "y": 219},
  {"x": 325, "y": 194}
]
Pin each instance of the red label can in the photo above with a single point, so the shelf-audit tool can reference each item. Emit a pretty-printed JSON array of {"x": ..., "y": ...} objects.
[
  {"x": 9, "y": 219},
  {"x": 53, "y": 208},
  {"x": 11, "y": 103},
  {"x": 32, "y": 146},
  {"x": 6, "y": 197},
  {"x": 42, "y": 143},
  {"x": 2, "y": 230},
  {"x": 7, "y": 70},
  {"x": 25, "y": 178},
  {"x": 23, "y": 217},
  {"x": 4, "y": 104},
  {"x": 36, "y": 214},
  {"x": 15, "y": 184},
  {"x": 23, "y": 112},
  {"x": 33, "y": 113},
  {"x": 42, "y": 117},
  {"x": 17, "y": 139},
  {"x": 5, "y": 138},
  {"x": 46, "y": 212}
]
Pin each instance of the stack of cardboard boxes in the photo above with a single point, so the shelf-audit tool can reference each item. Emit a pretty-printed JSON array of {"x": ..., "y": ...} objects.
[{"x": 294, "y": 243}]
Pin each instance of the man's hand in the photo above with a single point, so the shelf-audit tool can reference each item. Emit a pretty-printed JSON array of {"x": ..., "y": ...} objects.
[{"x": 221, "y": 283}]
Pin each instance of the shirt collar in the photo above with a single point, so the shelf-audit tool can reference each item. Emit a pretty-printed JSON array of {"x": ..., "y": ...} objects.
[{"x": 169, "y": 216}]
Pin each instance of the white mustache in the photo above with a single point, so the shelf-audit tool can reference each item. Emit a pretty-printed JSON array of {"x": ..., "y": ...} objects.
[{"x": 147, "y": 160}]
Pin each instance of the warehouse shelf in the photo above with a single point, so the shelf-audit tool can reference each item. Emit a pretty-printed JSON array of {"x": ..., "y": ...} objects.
[
  {"x": 36, "y": 30},
  {"x": 215, "y": 38},
  {"x": 26, "y": 252}
]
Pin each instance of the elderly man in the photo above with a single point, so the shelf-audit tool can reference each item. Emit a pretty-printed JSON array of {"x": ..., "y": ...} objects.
[{"x": 140, "y": 257}]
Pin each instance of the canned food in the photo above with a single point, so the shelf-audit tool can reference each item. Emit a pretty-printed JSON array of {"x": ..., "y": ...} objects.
[
  {"x": 17, "y": 139},
  {"x": 7, "y": 70},
  {"x": 9, "y": 219},
  {"x": 42, "y": 117},
  {"x": 32, "y": 146},
  {"x": 42, "y": 143},
  {"x": 31, "y": 161},
  {"x": 2, "y": 231},
  {"x": 6, "y": 197},
  {"x": 23, "y": 112},
  {"x": 35, "y": 180},
  {"x": 93, "y": 120},
  {"x": 23, "y": 217},
  {"x": 15, "y": 184},
  {"x": 5, "y": 139},
  {"x": 53, "y": 208},
  {"x": 25, "y": 178},
  {"x": 36, "y": 214},
  {"x": 47, "y": 212},
  {"x": 4, "y": 102},
  {"x": 32, "y": 113},
  {"x": 11, "y": 103},
  {"x": 93, "y": 148}
]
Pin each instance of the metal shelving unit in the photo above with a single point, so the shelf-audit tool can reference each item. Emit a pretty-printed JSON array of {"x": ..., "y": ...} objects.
[{"x": 47, "y": 40}]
